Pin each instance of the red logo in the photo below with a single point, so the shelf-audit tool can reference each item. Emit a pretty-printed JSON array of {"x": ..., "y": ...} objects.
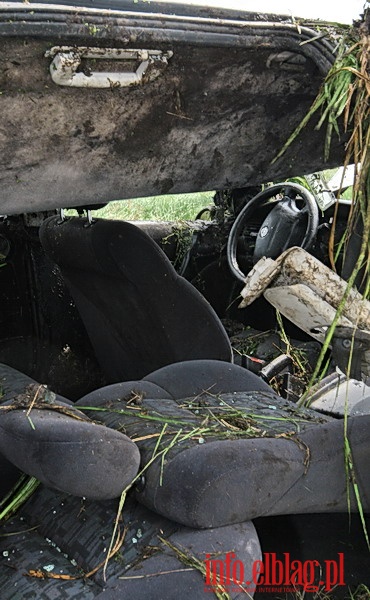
[{"x": 272, "y": 574}]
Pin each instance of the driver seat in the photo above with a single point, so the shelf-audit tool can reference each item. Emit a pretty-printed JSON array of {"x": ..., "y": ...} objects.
[{"x": 140, "y": 315}]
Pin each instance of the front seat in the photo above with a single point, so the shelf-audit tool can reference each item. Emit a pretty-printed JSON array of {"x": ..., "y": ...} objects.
[{"x": 140, "y": 315}]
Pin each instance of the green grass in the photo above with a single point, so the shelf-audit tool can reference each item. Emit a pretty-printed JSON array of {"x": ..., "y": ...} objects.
[{"x": 157, "y": 208}]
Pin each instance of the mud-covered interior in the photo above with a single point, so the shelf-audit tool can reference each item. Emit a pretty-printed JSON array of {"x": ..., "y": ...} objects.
[
  {"x": 207, "y": 119},
  {"x": 50, "y": 334},
  {"x": 115, "y": 335},
  {"x": 35, "y": 297},
  {"x": 212, "y": 117}
]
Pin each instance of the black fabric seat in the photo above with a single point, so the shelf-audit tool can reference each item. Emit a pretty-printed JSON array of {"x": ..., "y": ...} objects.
[
  {"x": 47, "y": 438},
  {"x": 139, "y": 314},
  {"x": 241, "y": 451},
  {"x": 55, "y": 539}
]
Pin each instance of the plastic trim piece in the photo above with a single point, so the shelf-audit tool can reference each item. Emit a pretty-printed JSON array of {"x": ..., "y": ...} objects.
[{"x": 67, "y": 60}]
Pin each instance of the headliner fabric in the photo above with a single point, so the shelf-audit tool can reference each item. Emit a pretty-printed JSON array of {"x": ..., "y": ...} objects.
[{"x": 139, "y": 314}]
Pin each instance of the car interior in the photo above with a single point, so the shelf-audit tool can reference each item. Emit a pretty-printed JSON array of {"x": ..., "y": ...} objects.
[{"x": 153, "y": 413}]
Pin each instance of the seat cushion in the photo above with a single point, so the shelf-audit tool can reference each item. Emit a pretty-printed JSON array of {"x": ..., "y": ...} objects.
[
  {"x": 217, "y": 428},
  {"x": 57, "y": 444}
]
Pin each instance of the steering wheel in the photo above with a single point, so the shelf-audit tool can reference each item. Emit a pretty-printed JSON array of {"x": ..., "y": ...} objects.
[{"x": 286, "y": 225}]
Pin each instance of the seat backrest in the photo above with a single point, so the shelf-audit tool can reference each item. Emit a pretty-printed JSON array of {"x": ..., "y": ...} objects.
[{"x": 139, "y": 313}]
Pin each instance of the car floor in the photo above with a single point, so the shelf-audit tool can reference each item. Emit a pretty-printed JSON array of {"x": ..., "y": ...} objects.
[{"x": 318, "y": 537}]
